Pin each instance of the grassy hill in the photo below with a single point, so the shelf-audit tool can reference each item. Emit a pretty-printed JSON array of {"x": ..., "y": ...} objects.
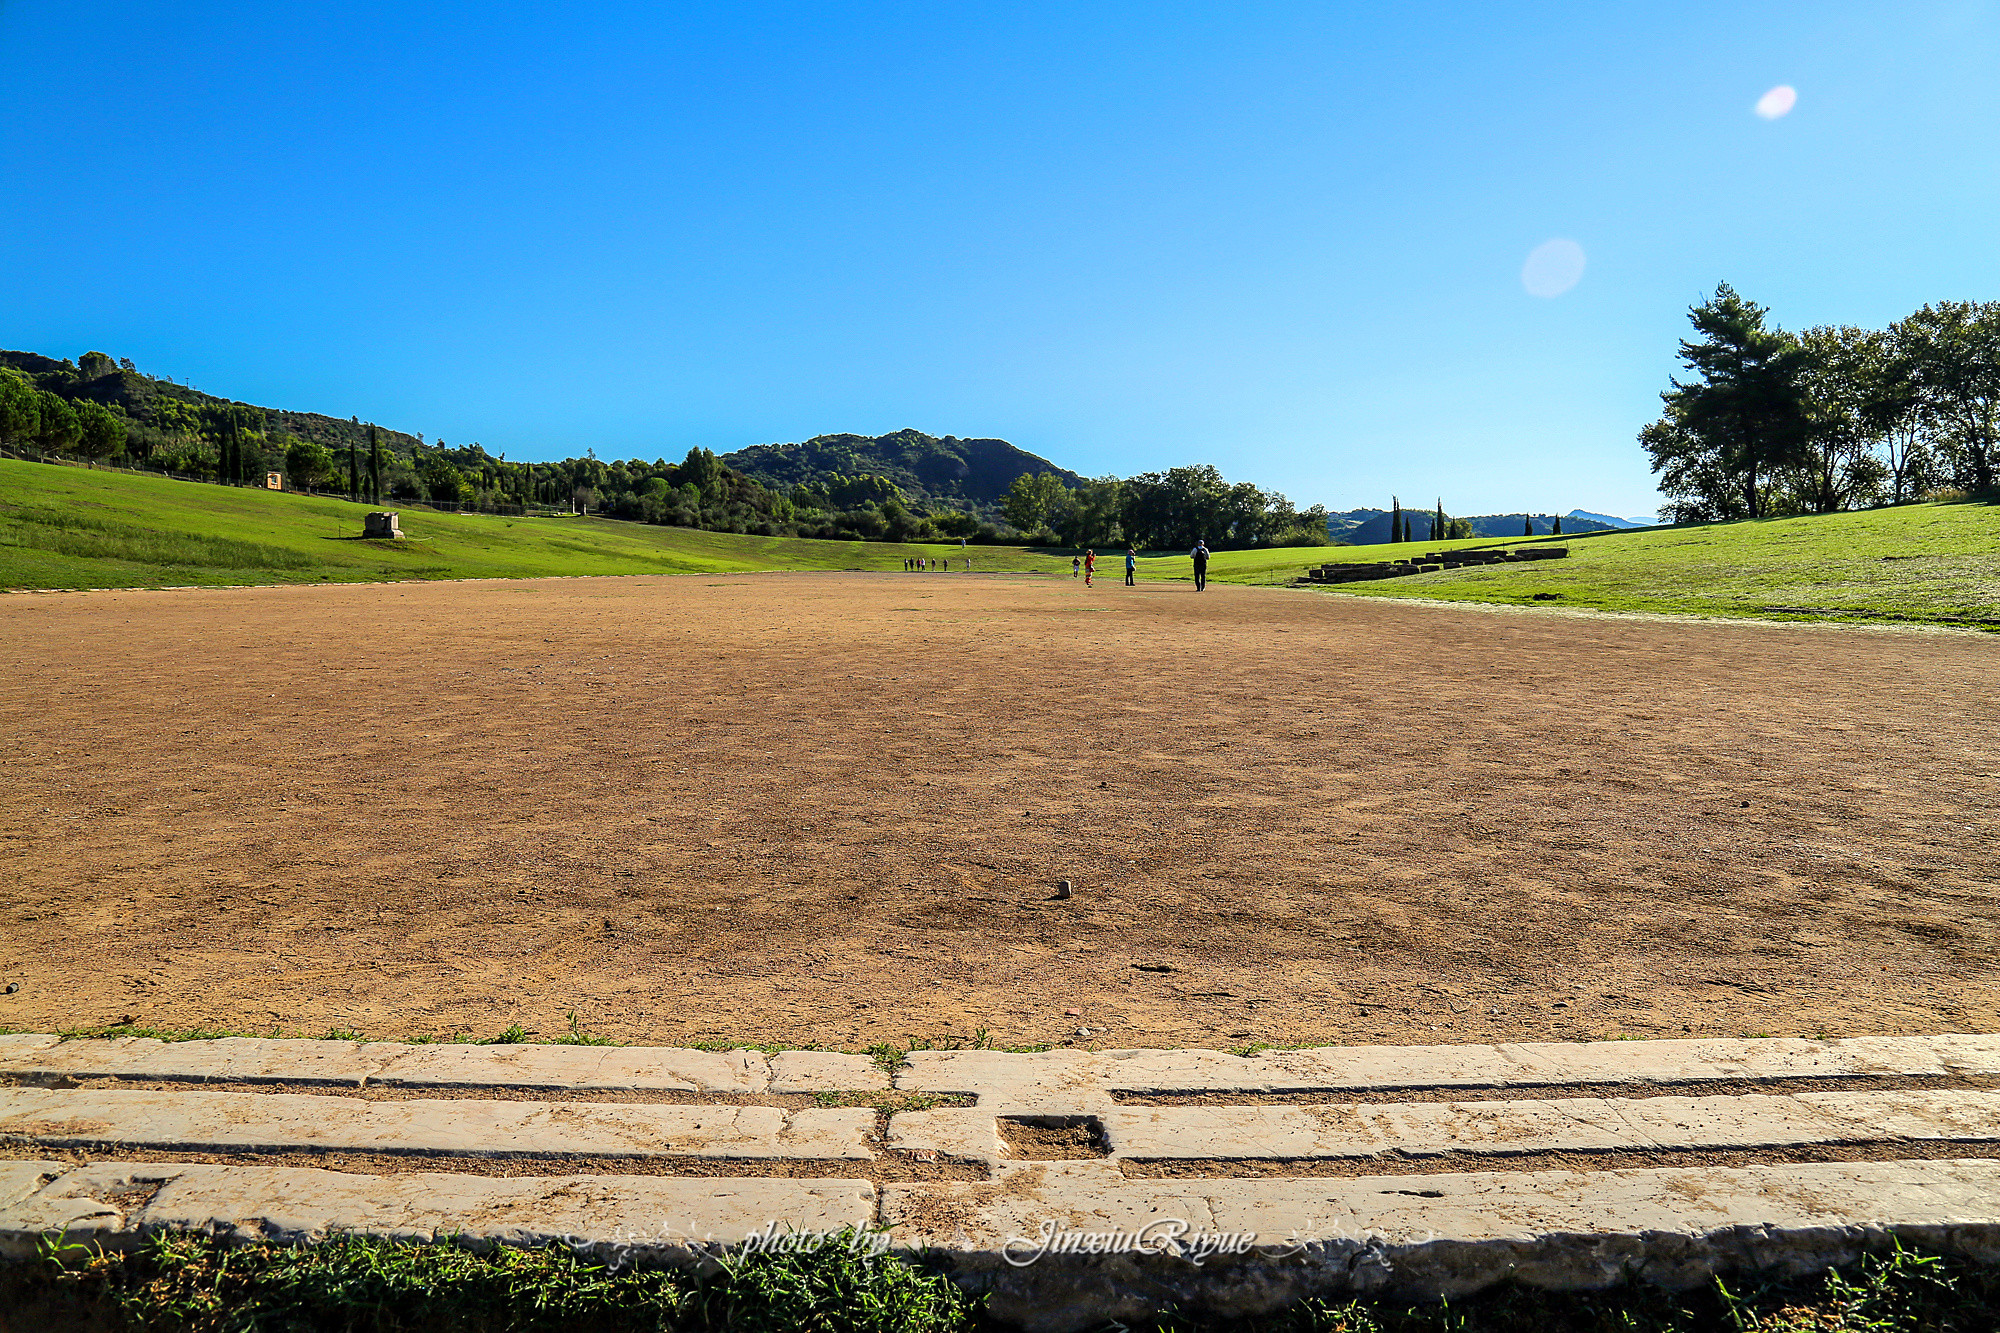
[
  {"x": 1928, "y": 563},
  {"x": 73, "y": 527}
]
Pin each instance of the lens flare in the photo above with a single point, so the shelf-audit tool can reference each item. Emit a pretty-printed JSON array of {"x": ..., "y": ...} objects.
[
  {"x": 1778, "y": 101},
  {"x": 1553, "y": 267}
]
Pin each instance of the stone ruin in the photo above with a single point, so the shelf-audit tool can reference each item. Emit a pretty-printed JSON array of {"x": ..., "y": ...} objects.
[
  {"x": 1424, "y": 564},
  {"x": 382, "y": 525}
]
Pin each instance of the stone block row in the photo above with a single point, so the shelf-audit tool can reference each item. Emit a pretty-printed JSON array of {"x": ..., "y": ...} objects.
[
  {"x": 1065, "y": 1246},
  {"x": 1055, "y": 1082},
  {"x": 302, "y": 1122},
  {"x": 441, "y": 1065}
]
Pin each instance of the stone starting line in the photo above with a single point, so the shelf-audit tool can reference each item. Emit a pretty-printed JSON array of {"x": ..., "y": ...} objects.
[{"x": 1074, "y": 1186}]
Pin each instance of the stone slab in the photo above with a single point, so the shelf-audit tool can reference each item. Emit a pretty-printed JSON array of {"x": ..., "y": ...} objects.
[
  {"x": 1583, "y": 1124},
  {"x": 20, "y": 1179},
  {"x": 1428, "y": 1236},
  {"x": 282, "y": 1122},
  {"x": 628, "y": 1217},
  {"x": 1080, "y": 1080},
  {"x": 577, "y": 1068},
  {"x": 826, "y": 1071},
  {"x": 442, "y": 1065},
  {"x": 17, "y": 1045}
]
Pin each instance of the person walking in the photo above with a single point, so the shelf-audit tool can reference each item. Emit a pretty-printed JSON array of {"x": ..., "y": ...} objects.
[
  {"x": 1200, "y": 554},
  {"x": 1131, "y": 568},
  {"x": 1089, "y": 566},
  {"x": 1075, "y": 565}
]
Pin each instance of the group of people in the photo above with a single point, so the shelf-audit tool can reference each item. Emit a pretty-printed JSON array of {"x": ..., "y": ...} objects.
[
  {"x": 1080, "y": 566},
  {"x": 1085, "y": 566}
]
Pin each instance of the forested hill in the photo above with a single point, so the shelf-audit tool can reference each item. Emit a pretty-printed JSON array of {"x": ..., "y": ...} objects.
[
  {"x": 169, "y": 411},
  {"x": 970, "y": 476}
]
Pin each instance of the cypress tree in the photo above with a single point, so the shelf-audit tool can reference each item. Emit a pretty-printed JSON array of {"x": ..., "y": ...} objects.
[
  {"x": 374, "y": 463},
  {"x": 1558, "y": 528},
  {"x": 1437, "y": 520},
  {"x": 353, "y": 470},
  {"x": 229, "y": 469},
  {"x": 1395, "y": 519},
  {"x": 1527, "y": 525}
]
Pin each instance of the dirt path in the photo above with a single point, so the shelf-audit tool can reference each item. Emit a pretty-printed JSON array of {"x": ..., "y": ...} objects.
[{"x": 831, "y": 808}]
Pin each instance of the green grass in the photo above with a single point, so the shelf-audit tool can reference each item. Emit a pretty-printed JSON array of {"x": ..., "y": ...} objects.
[
  {"x": 1924, "y": 564},
  {"x": 192, "y": 1283},
  {"x": 69, "y": 527}
]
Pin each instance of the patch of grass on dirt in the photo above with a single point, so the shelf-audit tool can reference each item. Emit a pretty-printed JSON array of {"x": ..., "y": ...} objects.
[
  {"x": 190, "y": 1282},
  {"x": 1926, "y": 564},
  {"x": 70, "y": 527}
]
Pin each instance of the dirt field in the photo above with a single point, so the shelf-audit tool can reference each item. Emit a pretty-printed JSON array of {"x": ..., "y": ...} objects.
[{"x": 831, "y": 809}]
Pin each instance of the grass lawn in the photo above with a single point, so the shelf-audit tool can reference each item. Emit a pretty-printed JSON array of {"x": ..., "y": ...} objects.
[
  {"x": 70, "y": 527},
  {"x": 1926, "y": 563}
]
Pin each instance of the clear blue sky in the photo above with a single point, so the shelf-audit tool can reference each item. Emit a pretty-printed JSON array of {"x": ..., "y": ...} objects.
[{"x": 1287, "y": 239}]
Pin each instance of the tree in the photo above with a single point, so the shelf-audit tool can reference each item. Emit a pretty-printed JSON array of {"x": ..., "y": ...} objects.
[
  {"x": 1838, "y": 465},
  {"x": 374, "y": 465},
  {"x": 1556, "y": 528},
  {"x": 443, "y": 482},
  {"x": 1527, "y": 525},
  {"x": 1395, "y": 519},
  {"x": 353, "y": 470},
  {"x": 20, "y": 409},
  {"x": 1033, "y": 500},
  {"x": 307, "y": 463},
  {"x": 1892, "y": 404},
  {"x": 94, "y": 365},
  {"x": 1739, "y": 420},
  {"x": 1438, "y": 527},
  {"x": 1953, "y": 351},
  {"x": 704, "y": 470},
  {"x": 1088, "y": 515},
  {"x": 100, "y": 431},
  {"x": 57, "y": 427}
]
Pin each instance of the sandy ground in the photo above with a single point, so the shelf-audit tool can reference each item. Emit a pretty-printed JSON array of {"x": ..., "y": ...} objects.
[{"x": 831, "y": 809}]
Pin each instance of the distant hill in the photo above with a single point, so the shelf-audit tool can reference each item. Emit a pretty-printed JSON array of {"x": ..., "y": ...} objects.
[
  {"x": 1338, "y": 526},
  {"x": 1607, "y": 520},
  {"x": 1370, "y": 527},
  {"x": 934, "y": 473}
]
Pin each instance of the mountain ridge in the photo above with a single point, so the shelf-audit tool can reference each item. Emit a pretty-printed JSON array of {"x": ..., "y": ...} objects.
[{"x": 932, "y": 471}]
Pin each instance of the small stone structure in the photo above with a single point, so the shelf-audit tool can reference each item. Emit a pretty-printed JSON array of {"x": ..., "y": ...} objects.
[
  {"x": 274, "y": 481},
  {"x": 382, "y": 525}
]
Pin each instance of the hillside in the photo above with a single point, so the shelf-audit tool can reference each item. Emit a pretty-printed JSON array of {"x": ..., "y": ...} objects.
[
  {"x": 1915, "y": 564},
  {"x": 74, "y": 527},
  {"x": 148, "y": 403},
  {"x": 933, "y": 473}
]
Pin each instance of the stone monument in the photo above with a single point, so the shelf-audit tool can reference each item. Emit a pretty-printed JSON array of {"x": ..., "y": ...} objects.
[{"x": 381, "y": 525}]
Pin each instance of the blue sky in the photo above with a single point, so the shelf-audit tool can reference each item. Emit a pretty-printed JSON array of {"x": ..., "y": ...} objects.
[{"x": 1285, "y": 239}]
